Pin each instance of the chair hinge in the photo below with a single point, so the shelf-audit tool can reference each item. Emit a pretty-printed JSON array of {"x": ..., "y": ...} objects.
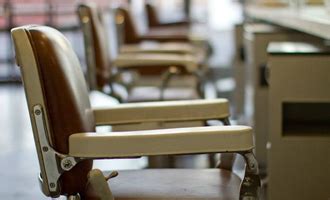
[{"x": 53, "y": 163}]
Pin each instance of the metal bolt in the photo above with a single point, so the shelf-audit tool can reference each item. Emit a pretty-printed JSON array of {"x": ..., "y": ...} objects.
[
  {"x": 85, "y": 19},
  {"x": 52, "y": 185},
  {"x": 247, "y": 181},
  {"x": 37, "y": 112},
  {"x": 67, "y": 164},
  {"x": 247, "y": 184},
  {"x": 45, "y": 149},
  {"x": 173, "y": 70}
]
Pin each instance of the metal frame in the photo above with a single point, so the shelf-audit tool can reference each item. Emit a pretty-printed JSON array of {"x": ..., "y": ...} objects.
[
  {"x": 173, "y": 71},
  {"x": 55, "y": 163},
  {"x": 250, "y": 186}
]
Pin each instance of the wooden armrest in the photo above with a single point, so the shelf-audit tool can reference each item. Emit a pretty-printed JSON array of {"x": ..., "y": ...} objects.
[
  {"x": 161, "y": 142},
  {"x": 132, "y": 60},
  {"x": 152, "y": 47},
  {"x": 187, "y": 110}
]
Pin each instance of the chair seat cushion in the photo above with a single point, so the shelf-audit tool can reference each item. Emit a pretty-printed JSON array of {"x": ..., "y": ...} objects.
[
  {"x": 174, "y": 184},
  {"x": 142, "y": 94}
]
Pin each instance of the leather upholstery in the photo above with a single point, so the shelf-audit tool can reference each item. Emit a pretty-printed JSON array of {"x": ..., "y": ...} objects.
[
  {"x": 99, "y": 43},
  {"x": 153, "y": 20},
  {"x": 167, "y": 184},
  {"x": 70, "y": 111},
  {"x": 131, "y": 35},
  {"x": 162, "y": 184},
  {"x": 151, "y": 15}
]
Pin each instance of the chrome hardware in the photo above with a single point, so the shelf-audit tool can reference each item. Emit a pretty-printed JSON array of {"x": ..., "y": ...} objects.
[
  {"x": 53, "y": 163},
  {"x": 250, "y": 187},
  {"x": 113, "y": 174},
  {"x": 73, "y": 197}
]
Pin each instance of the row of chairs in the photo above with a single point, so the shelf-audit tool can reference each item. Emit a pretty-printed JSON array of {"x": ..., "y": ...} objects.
[
  {"x": 64, "y": 123},
  {"x": 59, "y": 14},
  {"x": 148, "y": 61},
  {"x": 62, "y": 16}
]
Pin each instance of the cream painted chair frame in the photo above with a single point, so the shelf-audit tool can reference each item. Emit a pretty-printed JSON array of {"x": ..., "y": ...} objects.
[{"x": 236, "y": 139}]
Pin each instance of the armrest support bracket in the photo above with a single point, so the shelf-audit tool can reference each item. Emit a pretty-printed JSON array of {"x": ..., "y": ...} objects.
[{"x": 53, "y": 163}]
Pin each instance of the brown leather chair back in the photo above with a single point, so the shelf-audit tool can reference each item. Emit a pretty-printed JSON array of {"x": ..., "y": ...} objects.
[
  {"x": 130, "y": 33},
  {"x": 151, "y": 15},
  {"x": 52, "y": 69},
  {"x": 96, "y": 44}
]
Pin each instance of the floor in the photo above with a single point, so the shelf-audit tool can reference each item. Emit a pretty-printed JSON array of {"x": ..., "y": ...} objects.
[{"x": 18, "y": 161}]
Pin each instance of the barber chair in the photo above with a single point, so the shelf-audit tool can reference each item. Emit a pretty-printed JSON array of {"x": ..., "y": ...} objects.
[
  {"x": 132, "y": 36},
  {"x": 64, "y": 131},
  {"x": 153, "y": 19},
  {"x": 159, "y": 40},
  {"x": 157, "y": 72}
]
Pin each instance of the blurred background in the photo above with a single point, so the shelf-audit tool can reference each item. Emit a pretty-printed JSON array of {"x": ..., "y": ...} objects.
[{"x": 220, "y": 22}]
